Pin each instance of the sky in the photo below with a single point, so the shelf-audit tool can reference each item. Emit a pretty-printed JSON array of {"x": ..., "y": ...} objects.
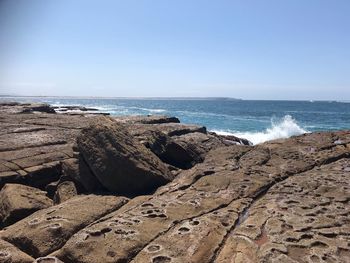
[{"x": 271, "y": 49}]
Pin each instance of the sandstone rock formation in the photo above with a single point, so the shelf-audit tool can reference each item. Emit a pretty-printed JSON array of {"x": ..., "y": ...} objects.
[
  {"x": 47, "y": 230},
  {"x": 34, "y": 146},
  {"x": 281, "y": 201},
  {"x": 19, "y": 201},
  {"x": 11, "y": 254},
  {"x": 150, "y": 119},
  {"x": 77, "y": 170},
  {"x": 65, "y": 190},
  {"x": 120, "y": 162},
  {"x": 195, "y": 217}
]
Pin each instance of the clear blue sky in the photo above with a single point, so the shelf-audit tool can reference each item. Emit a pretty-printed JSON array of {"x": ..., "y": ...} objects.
[{"x": 271, "y": 49}]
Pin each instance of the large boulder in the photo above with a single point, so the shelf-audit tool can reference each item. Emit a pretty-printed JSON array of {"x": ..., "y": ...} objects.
[
  {"x": 120, "y": 162},
  {"x": 19, "y": 201}
]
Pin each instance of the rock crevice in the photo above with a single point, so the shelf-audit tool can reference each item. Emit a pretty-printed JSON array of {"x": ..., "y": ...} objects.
[{"x": 210, "y": 198}]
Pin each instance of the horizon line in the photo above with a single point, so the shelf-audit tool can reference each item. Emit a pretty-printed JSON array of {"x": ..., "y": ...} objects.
[{"x": 163, "y": 98}]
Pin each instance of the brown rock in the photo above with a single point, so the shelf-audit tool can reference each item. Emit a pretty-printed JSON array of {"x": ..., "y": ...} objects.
[
  {"x": 302, "y": 219},
  {"x": 230, "y": 139},
  {"x": 196, "y": 238},
  {"x": 165, "y": 148},
  {"x": 65, "y": 190},
  {"x": 32, "y": 146},
  {"x": 47, "y": 230},
  {"x": 182, "y": 151},
  {"x": 217, "y": 210},
  {"x": 198, "y": 144},
  {"x": 11, "y": 254},
  {"x": 38, "y": 107},
  {"x": 172, "y": 129},
  {"x": 150, "y": 119},
  {"x": 78, "y": 170},
  {"x": 281, "y": 201},
  {"x": 51, "y": 188},
  {"x": 19, "y": 201},
  {"x": 120, "y": 162}
]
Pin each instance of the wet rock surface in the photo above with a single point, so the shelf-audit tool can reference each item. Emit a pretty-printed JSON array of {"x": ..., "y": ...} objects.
[{"x": 280, "y": 201}]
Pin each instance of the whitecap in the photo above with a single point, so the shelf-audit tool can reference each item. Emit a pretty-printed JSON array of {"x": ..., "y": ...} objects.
[
  {"x": 147, "y": 109},
  {"x": 284, "y": 128}
]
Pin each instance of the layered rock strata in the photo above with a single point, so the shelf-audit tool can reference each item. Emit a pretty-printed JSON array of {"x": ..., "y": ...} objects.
[{"x": 280, "y": 201}]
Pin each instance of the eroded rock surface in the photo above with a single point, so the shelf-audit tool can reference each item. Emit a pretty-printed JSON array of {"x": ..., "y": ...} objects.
[
  {"x": 47, "y": 230},
  {"x": 19, "y": 201},
  {"x": 65, "y": 191},
  {"x": 120, "y": 162},
  {"x": 11, "y": 254},
  {"x": 77, "y": 170},
  {"x": 34, "y": 145},
  {"x": 305, "y": 218},
  {"x": 196, "y": 217},
  {"x": 281, "y": 201}
]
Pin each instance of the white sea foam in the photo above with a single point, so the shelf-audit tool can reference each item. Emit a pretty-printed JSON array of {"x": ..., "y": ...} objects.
[
  {"x": 156, "y": 110},
  {"x": 148, "y": 109},
  {"x": 284, "y": 128}
]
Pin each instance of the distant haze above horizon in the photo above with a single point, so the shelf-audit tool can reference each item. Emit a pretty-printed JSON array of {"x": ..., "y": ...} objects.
[{"x": 289, "y": 50}]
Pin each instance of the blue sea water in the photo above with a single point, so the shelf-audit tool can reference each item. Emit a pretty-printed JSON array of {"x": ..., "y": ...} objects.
[{"x": 257, "y": 121}]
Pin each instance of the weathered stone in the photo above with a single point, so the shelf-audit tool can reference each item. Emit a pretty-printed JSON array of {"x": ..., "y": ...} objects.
[
  {"x": 230, "y": 139},
  {"x": 302, "y": 219},
  {"x": 180, "y": 151},
  {"x": 11, "y": 254},
  {"x": 33, "y": 145},
  {"x": 51, "y": 188},
  {"x": 78, "y": 170},
  {"x": 171, "y": 129},
  {"x": 196, "y": 238},
  {"x": 39, "y": 107},
  {"x": 19, "y": 201},
  {"x": 41, "y": 175},
  {"x": 65, "y": 190},
  {"x": 198, "y": 144},
  {"x": 165, "y": 148},
  {"x": 120, "y": 163},
  {"x": 159, "y": 228},
  {"x": 47, "y": 230},
  {"x": 150, "y": 119},
  {"x": 280, "y": 201}
]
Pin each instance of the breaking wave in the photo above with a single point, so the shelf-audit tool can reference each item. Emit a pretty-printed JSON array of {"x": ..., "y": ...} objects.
[{"x": 284, "y": 128}]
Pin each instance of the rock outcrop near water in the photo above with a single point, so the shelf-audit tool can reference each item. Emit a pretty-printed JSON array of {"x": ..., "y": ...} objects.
[
  {"x": 120, "y": 163},
  {"x": 92, "y": 188}
]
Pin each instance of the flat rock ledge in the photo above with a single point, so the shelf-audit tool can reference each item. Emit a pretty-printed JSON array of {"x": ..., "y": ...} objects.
[{"x": 79, "y": 187}]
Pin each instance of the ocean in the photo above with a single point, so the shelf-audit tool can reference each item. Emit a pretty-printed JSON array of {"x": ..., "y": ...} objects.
[{"x": 255, "y": 120}]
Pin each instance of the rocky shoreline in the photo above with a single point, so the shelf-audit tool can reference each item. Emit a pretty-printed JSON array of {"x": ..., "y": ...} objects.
[{"x": 80, "y": 186}]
